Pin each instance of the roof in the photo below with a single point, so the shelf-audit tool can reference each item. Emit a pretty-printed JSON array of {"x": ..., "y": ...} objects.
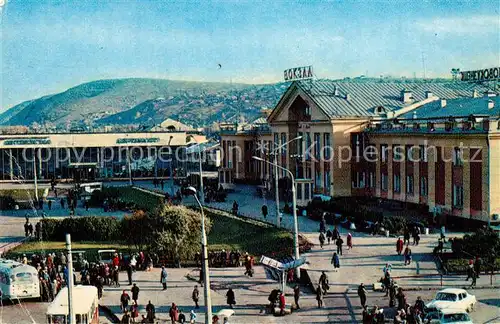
[
  {"x": 452, "y": 291},
  {"x": 457, "y": 108},
  {"x": 174, "y": 123},
  {"x": 366, "y": 96},
  {"x": 85, "y": 295}
]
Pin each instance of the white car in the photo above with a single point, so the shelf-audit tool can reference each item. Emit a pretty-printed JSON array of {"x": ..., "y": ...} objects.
[
  {"x": 448, "y": 316},
  {"x": 452, "y": 298}
]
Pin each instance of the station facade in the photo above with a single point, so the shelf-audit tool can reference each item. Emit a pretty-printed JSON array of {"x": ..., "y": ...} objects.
[
  {"x": 90, "y": 156},
  {"x": 338, "y": 121}
]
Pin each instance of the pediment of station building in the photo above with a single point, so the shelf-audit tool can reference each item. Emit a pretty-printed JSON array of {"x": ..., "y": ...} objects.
[{"x": 296, "y": 96}]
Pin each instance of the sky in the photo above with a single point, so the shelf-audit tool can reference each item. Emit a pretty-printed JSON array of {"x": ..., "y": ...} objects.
[{"x": 48, "y": 46}]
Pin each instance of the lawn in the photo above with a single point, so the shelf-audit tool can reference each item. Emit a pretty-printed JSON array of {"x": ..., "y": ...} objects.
[
  {"x": 21, "y": 194},
  {"x": 232, "y": 233},
  {"x": 228, "y": 232}
]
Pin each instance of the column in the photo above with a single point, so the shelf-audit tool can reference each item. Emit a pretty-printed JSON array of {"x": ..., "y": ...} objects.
[
  {"x": 466, "y": 181},
  {"x": 390, "y": 175},
  {"x": 448, "y": 177},
  {"x": 11, "y": 165},
  {"x": 431, "y": 178}
]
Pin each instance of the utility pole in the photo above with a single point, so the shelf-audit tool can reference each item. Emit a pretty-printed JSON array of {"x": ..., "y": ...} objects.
[
  {"x": 129, "y": 167},
  {"x": 71, "y": 311},
  {"x": 276, "y": 190},
  {"x": 35, "y": 175}
]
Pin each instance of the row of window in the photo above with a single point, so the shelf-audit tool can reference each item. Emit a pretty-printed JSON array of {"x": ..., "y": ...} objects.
[
  {"x": 322, "y": 148},
  {"x": 400, "y": 153}
]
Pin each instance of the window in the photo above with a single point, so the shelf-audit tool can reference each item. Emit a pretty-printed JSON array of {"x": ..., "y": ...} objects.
[
  {"x": 307, "y": 187},
  {"x": 423, "y": 186},
  {"x": 327, "y": 182},
  {"x": 327, "y": 146},
  {"x": 383, "y": 149},
  {"x": 409, "y": 185},
  {"x": 371, "y": 180},
  {"x": 317, "y": 179},
  {"x": 283, "y": 142},
  {"x": 308, "y": 172},
  {"x": 384, "y": 183},
  {"x": 276, "y": 142},
  {"x": 397, "y": 183},
  {"x": 398, "y": 153},
  {"x": 307, "y": 111},
  {"x": 300, "y": 145},
  {"x": 317, "y": 146},
  {"x": 458, "y": 196},
  {"x": 359, "y": 180},
  {"x": 299, "y": 190},
  {"x": 409, "y": 153},
  {"x": 422, "y": 154},
  {"x": 308, "y": 146},
  {"x": 458, "y": 156}
]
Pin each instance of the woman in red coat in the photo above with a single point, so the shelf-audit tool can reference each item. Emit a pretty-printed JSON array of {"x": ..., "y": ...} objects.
[{"x": 282, "y": 304}]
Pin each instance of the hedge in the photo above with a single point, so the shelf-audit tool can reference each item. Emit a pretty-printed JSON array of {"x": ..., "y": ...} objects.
[
  {"x": 83, "y": 229},
  {"x": 125, "y": 198}
]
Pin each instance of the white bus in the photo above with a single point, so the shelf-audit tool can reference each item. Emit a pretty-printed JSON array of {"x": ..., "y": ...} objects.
[
  {"x": 18, "y": 280},
  {"x": 85, "y": 305}
]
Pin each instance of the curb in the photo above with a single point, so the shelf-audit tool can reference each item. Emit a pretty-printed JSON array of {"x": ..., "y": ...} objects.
[{"x": 111, "y": 315}]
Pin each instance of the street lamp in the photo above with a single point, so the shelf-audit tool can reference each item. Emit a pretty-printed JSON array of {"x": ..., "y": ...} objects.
[
  {"x": 206, "y": 276},
  {"x": 276, "y": 189},
  {"x": 202, "y": 191},
  {"x": 294, "y": 207}
]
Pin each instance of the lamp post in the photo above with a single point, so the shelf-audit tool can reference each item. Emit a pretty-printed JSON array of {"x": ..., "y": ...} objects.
[
  {"x": 204, "y": 256},
  {"x": 294, "y": 206},
  {"x": 276, "y": 189},
  {"x": 202, "y": 191},
  {"x": 71, "y": 310},
  {"x": 35, "y": 174}
]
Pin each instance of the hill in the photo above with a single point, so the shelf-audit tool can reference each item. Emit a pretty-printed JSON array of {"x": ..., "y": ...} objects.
[{"x": 144, "y": 102}]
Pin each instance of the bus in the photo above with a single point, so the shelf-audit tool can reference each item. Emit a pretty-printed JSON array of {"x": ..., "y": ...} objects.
[
  {"x": 85, "y": 305},
  {"x": 18, "y": 281}
]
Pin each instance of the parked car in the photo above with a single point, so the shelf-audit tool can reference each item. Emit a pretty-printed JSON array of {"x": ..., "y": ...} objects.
[
  {"x": 448, "y": 316},
  {"x": 452, "y": 298}
]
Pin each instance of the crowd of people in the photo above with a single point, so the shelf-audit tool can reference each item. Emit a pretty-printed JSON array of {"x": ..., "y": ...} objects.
[{"x": 222, "y": 259}]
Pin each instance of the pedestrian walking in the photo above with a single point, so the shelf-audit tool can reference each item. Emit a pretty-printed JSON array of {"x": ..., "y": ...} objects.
[
  {"x": 49, "y": 204},
  {"x": 196, "y": 296},
  {"x": 174, "y": 313},
  {"x": 319, "y": 296},
  {"x": 282, "y": 303},
  {"x": 264, "y": 211},
  {"x": 135, "y": 292},
  {"x": 470, "y": 269},
  {"x": 62, "y": 203},
  {"x": 392, "y": 294},
  {"x": 477, "y": 266},
  {"x": 124, "y": 300},
  {"x": 407, "y": 255},
  {"x": 329, "y": 235},
  {"x": 362, "y": 294},
  {"x": 323, "y": 283},
  {"x": 150, "y": 312},
  {"x": 401, "y": 298},
  {"x": 162, "y": 183},
  {"x": 321, "y": 239},
  {"x": 399, "y": 246},
  {"x": 296, "y": 296},
  {"x": 192, "y": 317},
  {"x": 126, "y": 318},
  {"x": 134, "y": 311},
  {"x": 235, "y": 208},
  {"x": 339, "y": 243},
  {"x": 335, "y": 260},
  {"x": 129, "y": 273},
  {"x": 474, "y": 277},
  {"x": 406, "y": 237},
  {"x": 349, "y": 241},
  {"x": 163, "y": 277},
  {"x": 230, "y": 299}
]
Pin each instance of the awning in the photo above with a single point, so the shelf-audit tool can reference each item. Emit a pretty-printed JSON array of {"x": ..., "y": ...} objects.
[{"x": 83, "y": 165}]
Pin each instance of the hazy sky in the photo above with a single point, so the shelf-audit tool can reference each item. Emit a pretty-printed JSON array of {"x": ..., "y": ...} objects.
[{"x": 48, "y": 46}]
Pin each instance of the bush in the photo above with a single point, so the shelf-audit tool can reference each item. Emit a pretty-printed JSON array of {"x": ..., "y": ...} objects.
[
  {"x": 129, "y": 198},
  {"x": 97, "y": 198},
  {"x": 82, "y": 229},
  {"x": 484, "y": 243},
  {"x": 7, "y": 203}
]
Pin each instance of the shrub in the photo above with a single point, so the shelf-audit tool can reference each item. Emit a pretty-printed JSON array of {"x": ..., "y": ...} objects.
[
  {"x": 82, "y": 229},
  {"x": 484, "y": 243},
  {"x": 7, "y": 203}
]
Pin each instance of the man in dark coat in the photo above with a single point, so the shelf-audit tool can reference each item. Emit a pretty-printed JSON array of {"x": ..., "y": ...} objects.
[
  {"x": 135, "y": 293},
  {"x": 362, "y": 294}
]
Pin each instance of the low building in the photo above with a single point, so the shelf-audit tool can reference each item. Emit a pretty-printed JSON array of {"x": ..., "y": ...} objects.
[
  {"x": 82, "y": 156},
  {"x": 444, "y": 155}
]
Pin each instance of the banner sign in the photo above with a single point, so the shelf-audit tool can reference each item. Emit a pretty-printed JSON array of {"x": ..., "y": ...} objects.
[
  {"x": 481, "y": 75},
  {"x": 271, "y": 263},
  {"x": 27, "y": 141},
  {"x": 299, "y": 73},
  {"x": 137, "y": 140}
]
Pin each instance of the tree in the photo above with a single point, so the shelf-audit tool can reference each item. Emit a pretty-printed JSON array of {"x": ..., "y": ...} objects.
[
  {"x": 177, "y": 232},
  {"x": 137, "y": 227},
  {"x": 484, "y": 243}
]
